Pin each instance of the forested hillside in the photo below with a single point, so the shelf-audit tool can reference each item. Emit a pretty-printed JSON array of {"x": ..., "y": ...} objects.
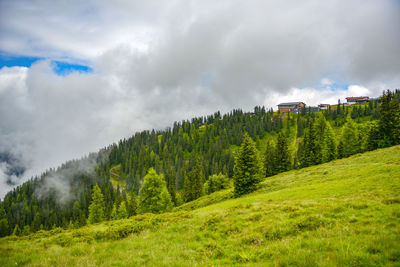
[
  {"x": 342, "y": 213},
  {"x": 187, "y": 155}
]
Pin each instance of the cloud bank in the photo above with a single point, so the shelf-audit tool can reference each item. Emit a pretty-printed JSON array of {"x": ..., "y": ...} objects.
[{"x": 161, "y": 61}]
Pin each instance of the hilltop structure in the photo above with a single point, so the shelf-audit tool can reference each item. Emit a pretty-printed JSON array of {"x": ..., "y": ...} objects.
[
  {"x": 357, "y": 99},
  {"x": 290, "y": 106},
  {"x": 324, "y": 106}
]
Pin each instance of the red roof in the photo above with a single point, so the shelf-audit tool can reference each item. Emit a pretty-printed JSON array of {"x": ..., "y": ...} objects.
[{"x": 358, "y": 97}]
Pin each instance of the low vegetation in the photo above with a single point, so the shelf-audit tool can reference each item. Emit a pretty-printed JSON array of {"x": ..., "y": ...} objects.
[{"x": 345, "y": 212}]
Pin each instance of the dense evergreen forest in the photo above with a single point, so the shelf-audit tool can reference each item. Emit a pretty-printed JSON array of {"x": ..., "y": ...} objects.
[{"x": 193, "y": 158}]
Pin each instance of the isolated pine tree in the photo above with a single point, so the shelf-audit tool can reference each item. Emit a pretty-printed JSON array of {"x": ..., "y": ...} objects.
[
  {"x": 248, "y": 168},
  {"x": 96, "y": 208},
  {"x": 154, "y": 196},
  {"x": 193, "y": 184}
]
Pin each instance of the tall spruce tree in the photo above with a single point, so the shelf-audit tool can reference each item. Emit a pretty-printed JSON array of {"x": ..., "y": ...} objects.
[
  {"x": 4, "y": 227},
  {"x": 389, "y": 122},
  {"x": 300, "y": 130},
  {"x": 374, "y": 137},
  {"x": 114, "y": 212},
  {"x": 171, "y": 184},
  {"x": 282, "y": 158},
  {"x": 329, "y": 147},
  {"x": 248, "y": 168},
  {"x": 349, "y": 139},
  {"x": 96, "y": 208},
  {"x": 193, "y": 185},
  {"x": 17, "y": 231},
  {"x": 270, "y": 159},
  {"x": 320, "y": 127},
  {"x": 306, "y": 152},
  {"x": 122, "y": 211},
  {"x": 154, "y": 196},
  {"x": 132, "y": 204}
]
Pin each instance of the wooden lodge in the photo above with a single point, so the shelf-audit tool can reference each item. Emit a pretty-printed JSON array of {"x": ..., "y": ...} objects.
[
  {"x": 357, "y": 99},
  {"x": 290, "y": 106}
]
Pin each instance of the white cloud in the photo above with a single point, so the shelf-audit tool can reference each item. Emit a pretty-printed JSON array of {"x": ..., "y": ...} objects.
[{"x": 327, "y": 81}]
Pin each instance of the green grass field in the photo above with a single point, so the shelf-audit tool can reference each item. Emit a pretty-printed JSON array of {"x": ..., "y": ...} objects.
[{"x": 343, "y": 213}]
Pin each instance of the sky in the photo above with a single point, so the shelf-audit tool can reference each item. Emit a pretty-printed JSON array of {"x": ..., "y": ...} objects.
[{"x": 76, "y": 76}]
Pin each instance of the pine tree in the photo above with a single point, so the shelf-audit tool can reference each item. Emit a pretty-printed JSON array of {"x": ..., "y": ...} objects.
[
  {"x": 154, "y": 196},
  {"x": 76, "y": 212},
  {"x": 300, "y": 130},
  {"x": 389, "y": 122},
  {"x": 36, "y": 222},
  {"x": 122, "y": 212},
  {"x": 329, "y": 148},
  {"x": 27, "y": 230},
  {"x": 283, "y": 161},
  {"x": 193, "y": 184},
  {"x": 171, "y": 185},
  {"x": 248, "y": 168},
  {"x": 340, "y": 152},
  {"x": 349, "y": 138},
  {"x": 320, "y": 127},
  {"x": 374, "y": 137},
  {"x": 114, "y": 212},
  {"x": 306, "y": 151},
  {"x": 269, "y": 159},
  {"x": 17, "y": 230},
  {"x": 132, "y": 204},
  {"x": 4, "y": 227},
  {"x": 96, "y": 208}
]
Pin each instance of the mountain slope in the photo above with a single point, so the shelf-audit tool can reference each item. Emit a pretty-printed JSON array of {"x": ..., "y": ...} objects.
[{"x": 346, "y": 212}]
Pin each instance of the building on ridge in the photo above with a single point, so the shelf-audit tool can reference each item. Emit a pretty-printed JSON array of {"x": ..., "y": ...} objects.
[
  {"x": 324, "y": 106},
  {"x": 357, "y": 99},
  {"x": 290, "y": 106}
]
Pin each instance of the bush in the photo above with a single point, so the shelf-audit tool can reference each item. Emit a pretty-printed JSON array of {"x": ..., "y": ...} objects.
[{"x": 216, "y": 183}]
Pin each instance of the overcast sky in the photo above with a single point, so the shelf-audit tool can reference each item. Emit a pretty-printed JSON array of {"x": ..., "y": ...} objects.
[{"x": 154, "y": 62}]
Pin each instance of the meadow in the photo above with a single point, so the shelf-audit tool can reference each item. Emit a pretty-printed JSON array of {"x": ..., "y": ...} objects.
[{"x": 342, "y": 213}]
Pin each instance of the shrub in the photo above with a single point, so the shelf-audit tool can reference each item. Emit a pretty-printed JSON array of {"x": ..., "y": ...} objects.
[{"x": 216, "y": 183}]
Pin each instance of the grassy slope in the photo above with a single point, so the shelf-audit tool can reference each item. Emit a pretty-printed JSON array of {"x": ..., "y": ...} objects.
[{"x": 346, "y": 212}]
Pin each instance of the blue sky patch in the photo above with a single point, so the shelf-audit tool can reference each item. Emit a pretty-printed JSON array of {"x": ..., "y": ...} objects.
[
  {"x": 59, "y": 67},
  {"x": 64, "y": 68}
]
